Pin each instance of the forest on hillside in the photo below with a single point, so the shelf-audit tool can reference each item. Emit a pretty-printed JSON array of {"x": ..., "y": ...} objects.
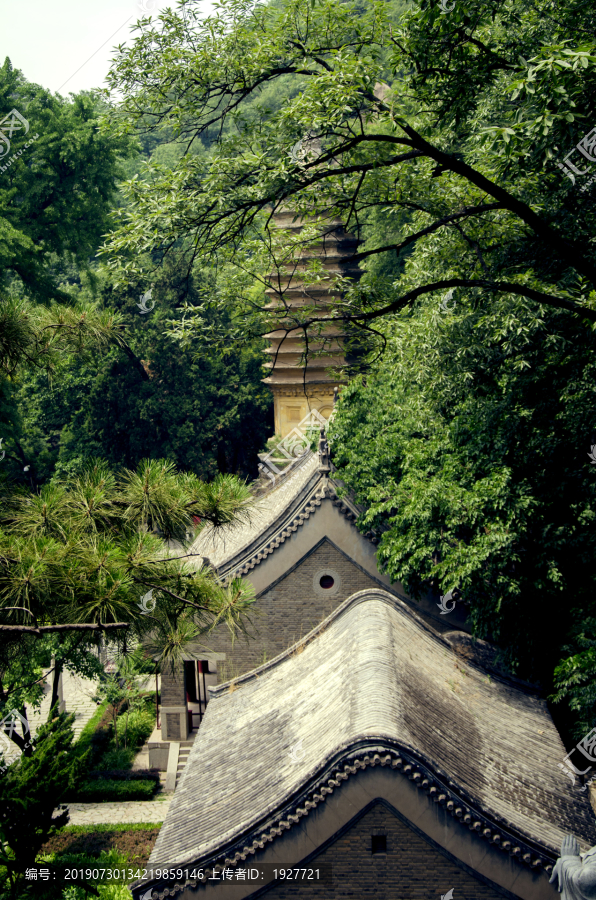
[
  {"x": 144, "y": 395},
  {"x": 136, "y": 244}
]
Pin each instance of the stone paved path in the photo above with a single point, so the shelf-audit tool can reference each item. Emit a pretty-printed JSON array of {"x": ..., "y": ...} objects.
[
  {"x": 118, "y": 813},
  {"x": 77, "y": 693}
]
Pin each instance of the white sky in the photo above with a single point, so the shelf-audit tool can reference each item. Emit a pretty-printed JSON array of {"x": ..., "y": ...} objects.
[{"x": 66, "y": 45}]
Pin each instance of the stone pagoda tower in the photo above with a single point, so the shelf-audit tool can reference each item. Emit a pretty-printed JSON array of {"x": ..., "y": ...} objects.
[{"x": 302, "y": 385}]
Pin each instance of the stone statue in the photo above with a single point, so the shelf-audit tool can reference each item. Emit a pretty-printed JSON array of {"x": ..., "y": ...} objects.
[
  {"x": 576, "y": 876},
  {"x": 323, "y": 451}
]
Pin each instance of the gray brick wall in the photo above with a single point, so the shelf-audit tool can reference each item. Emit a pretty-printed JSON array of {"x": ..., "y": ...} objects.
[
  {"x": 173, "y": 726},
  {"x": 287, "y": 613},
  {"x": 411, "y": 869},
  {"x": 172, "y": 688}
]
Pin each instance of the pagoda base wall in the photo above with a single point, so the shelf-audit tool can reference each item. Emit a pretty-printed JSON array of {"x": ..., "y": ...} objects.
[{"x": 293, "y": 403}]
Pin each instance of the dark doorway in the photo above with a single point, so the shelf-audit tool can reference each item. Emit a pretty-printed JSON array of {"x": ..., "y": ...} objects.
[
  {"x": 190, "y": 680},
  {"x": 196, "y": 690}
]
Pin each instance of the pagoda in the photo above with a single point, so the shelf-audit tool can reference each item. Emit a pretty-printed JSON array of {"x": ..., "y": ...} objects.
[{"x": 303, "y": 378}]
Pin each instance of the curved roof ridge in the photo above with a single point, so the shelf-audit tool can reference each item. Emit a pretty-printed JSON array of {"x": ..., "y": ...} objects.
[
  {"x": 319, "y": 488},
  {"x": 349, "y": 603},
  {"x": 280, "y": 529},
  {"x": 265, "y": 490},
  {"x": 278, "y": 513},
  {"x": 361, "y": 753},
  {"x": 343, "y": 607}
]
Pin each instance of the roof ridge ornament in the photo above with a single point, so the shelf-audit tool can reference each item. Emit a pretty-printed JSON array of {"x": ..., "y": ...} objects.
[{"x": 324, "y": 458}]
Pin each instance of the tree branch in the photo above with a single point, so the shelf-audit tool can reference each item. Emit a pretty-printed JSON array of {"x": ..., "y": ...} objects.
[
  {"x": 158, "y": 587},
  {"x": 508, "y": 287},
  {"x": 496, "y": 286},
  {"x": 49, "y": 629},
  {"x": 135, "y": 361},
  {"x": 562, "y": 247},
  {"x": 412, "y": 238}
]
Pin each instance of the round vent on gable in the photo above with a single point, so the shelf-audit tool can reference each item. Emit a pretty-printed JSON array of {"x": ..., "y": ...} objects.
[{"x": 326, "y": 582}]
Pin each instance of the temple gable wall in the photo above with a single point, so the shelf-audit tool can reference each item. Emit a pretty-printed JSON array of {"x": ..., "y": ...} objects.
[
  {"x": 411, "y": 869},
  {"x": 290, "y": 609},
  {"x": 328, "y": 522}
]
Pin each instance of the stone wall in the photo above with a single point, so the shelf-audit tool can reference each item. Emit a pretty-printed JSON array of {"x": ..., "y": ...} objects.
[
  {"x": 411, "y": 869},
  {"x": 172, "y": 687},
  {"x": 172, "y": 725},
  {"x": 173, "y": 707},
  {"x": 288, "y": 612}
]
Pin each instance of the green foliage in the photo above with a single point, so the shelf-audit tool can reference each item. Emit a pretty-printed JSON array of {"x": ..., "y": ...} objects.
[
  {"x": 469, "y": 445},
  {"x": 109, "y": 859},
  {"x": 118, "y": 692},
  {"x": 106, "y": 790},
  {"x": 91, "y": 740},
  {"x": 575, "y": 676},
  {"x": 30, "y": 791},
  {"x": 426, "y": 123},
  {"x": 55, "y": 198},
  {"x": 435, "y": 137},
  {"x": 116, "y": 758},
  {"x": 136, "y": 722},
  {"x": 41, "y": 337},
  {"x": 101, "y": 828},
  {"x": 109, "y": 774},
  {"x": 80, "y": 554},
  {"x": 207, "y": 413},
  {"x": 63, "y": 404},
  {"x": 138, "y": 725}
]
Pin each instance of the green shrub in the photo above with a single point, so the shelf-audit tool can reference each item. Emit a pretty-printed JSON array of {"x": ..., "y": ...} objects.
[
  {"x": 105, "y": 892},
  {"x": 98, "y": 735},
  {"x": 95, "y": 736},
  {"x": 117, "y": 759},
  {"x": 30, "y": 790},
  {"x": 141, "y": 722},
  {"x": 100, "y": 827},
  {"x": 109, "y": 859},
  {"x": 124, "y": 775},
  {"x": 108, "y": 789}
]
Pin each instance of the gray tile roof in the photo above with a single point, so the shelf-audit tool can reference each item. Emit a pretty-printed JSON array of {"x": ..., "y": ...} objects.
[
  {"x": 276, "y": 514},
  {"x": 373, "y": 684},
  {"x": 222, "y": 547}
]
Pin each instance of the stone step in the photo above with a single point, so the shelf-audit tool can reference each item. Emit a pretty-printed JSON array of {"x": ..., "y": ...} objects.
[
  {"x": 177, "y": 755},
  {"x": 181, "y": 766}
]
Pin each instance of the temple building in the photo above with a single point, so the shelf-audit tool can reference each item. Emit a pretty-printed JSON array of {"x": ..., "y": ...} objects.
[
  {"x": 301, "y": 550},
  {"x": 395, "y": 755},
  {"x": 356, "y": 732}
]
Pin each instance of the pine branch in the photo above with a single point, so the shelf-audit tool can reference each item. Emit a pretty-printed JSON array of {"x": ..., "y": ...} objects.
[{"x": 49, "y": 629}]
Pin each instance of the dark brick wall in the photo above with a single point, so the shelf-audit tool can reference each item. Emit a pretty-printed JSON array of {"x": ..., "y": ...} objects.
[
  {"x": 288, "y": 612},
  {"x": 411, "y": 869},
  {"x": 173, "y": 726},
  {"x": 172, "y": 688}
]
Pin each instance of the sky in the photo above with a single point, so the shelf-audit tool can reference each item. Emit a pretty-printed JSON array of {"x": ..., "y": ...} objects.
[{"x": 66, "y": 45}]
